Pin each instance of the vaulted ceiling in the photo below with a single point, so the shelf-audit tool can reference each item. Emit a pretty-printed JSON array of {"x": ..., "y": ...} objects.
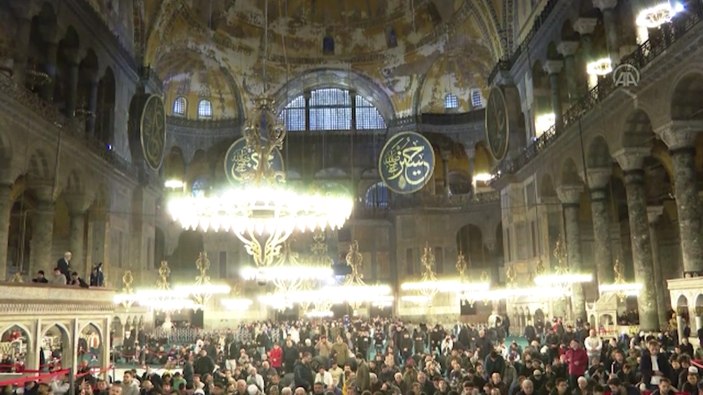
[{"x": 399, "y": 44}]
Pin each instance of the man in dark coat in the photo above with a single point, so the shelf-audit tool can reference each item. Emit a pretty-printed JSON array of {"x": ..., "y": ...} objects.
[
  {"x": 302, "y": 373},
  {"x": 654, "y": 365}
]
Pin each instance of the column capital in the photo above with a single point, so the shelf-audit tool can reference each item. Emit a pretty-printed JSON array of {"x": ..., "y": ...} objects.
[
  {"x": 631, "y": 158},
  {"x": 679, "y": 134},
  {"x": 653, "y": 213},
  {"x": 604, "y": 5},
  {"x": 598, "y": 177},
  {"x": 570, "y": 194},
  {"x": 584, "y": 26},
  {"x": 568, "y": 48},
  {"x": 77, "y": 203},
  {"x": 553, "y": 66},
  {"x": 43, "y": 188}
]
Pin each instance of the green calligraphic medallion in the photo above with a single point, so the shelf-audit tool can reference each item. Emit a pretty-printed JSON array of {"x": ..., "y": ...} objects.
[
  {"x": 497, "y": 126},
  {"x": 406, "y": 163},
  {"x": 152, "y": 127},
  {"x": 241, "y": 160}
]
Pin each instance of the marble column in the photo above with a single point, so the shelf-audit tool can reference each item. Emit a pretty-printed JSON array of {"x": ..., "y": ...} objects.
[
  {"x": 631, "y": 161},
  {"x": 5, "y": 210},
  {"x": 598, "y": 178},
  {"x": 47, "y": 91},
  {"x": 21, "y": 43},
  {"x": 77, "y": 245},
  {"x": 445, "y": 172},
  {"x": 42, "y": 238},
  {"x": 352, "y": 97},
  {"x": 568, "y": 50},
  {"x": 307, "y": 95},
  {"x": 680, "y": 138},
  {"x": 553, "y": 68},
  {"x": 653, "y": 215},
  {"x": 607, "y": 8},
  {"x": 585, "y": 28},
  {"x": 72, "y": 88},
  {"x": 92, "y": 104},
  {"x": 570, "y": 197}
]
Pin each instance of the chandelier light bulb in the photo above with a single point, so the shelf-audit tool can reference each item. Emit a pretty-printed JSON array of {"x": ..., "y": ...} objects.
[{"x": 655, "y": 16}]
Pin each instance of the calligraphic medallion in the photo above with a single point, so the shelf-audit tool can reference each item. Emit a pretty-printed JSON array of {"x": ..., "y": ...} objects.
[
  {"x": 406, "y": 163},
  {"x": 241, "y": 160},
  {"x": 152, "y": 128},
  {"x": 497, "y": 127}
]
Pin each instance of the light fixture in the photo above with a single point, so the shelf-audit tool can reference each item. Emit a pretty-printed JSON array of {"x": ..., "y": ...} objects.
[
  {"x": 482, "y": 177},
  {"x": 174, "y": 183},
  {"x": 657, "y": 15},
  {"x": 319, "y": 314},
  {"x": 419, "y": 299},
  {"x": 203, "y": 289},
  {"x": 620, "y": 287},
  {"x": 260, "y": 208},
  {"x": 336, "y": 294},
  {"x": 600, "y": 67},
  {"x": 446, "y": 286},
  {"x": 563, "y": 278},
  {"x": 530, "y": 292},
  {"x": 544, "y": 122},
  {"x": 126, "y": 298},
  {"x": 286, "y": 272},
  {"x": 236, "y": 304}
]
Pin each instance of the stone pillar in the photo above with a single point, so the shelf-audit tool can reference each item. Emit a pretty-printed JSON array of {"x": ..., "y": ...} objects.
[
  {"x": 598, "y": 178},
  {"x": 631, "y": 161},
  {"x": 5, "y": 209},
  {"x": 47, "y": 91},
  {"x": 77, "y": 238},
  {"x": 570, "y": 197},
  {"x": 680, "y": 138},
  {"x": 568, "y": 50},
  {"x": 445, "y": 172},
  {"x": 653, "y": 215},
  {"x": 585, "y": 28},
  {"x": 92, "y": 104},
  {"x": 71, "y": 86},
  {"x": 42, "y": 238},
  {"x": 553, "y": 68},
  {"x": 21, "y": 42},
  {"x": 607, "y": 7}
]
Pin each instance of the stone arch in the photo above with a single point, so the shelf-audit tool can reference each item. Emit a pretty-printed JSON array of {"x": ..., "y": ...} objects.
[
  {"x": 459, "y": 182},
  {"x": 637, "y": 130},
  {"x": 687, "y": 98},
  {"x": 105, "y": 109},
  {"x": 598, "y": 154},
  {"x": 74, "y": 182},
  {"x": 68, "y": 52},
  {"x": 174, "y": 167},
  {"x": 198, "y": 169},
  {"x": 91, "y": 344},
  {"x": 470, "y": 241},
  {"x": 38, "y": 166},
  {"x": 336, "y": 78},
  {"x": 117, "y": 329},
  {"x": 22, "y": 340},
  {"x": 546, "y": 186},
  {"x": 570, "y": 173},
  {"x": 377, "y": 196},
  {"x": 56, "y": 338},
  {"x": 87, "y": 76}
]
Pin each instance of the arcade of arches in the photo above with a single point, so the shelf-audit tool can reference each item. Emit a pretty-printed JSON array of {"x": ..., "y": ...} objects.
[{"x": 610, "y": 173}]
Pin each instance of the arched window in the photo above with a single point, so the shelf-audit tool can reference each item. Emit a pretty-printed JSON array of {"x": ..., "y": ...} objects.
[
  {"x": 376, "y": 196},
  {"x": 331, "y": 109},
  {"x": 199, "y": 187},
  {"x": 451, "y": 101},
  {"x": 180, "y": 106},
  {"x": 205, "y": 109}
]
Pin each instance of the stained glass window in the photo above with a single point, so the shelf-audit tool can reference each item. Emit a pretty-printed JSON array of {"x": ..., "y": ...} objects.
[
  {"x": 376, "y": 196},
  {"x": 205, "y": 109},
  {"x": 451, "y": 101},
  {"x": 476, "y": 98}
]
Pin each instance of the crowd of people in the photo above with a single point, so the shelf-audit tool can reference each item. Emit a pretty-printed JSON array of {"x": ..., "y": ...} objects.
[
  {"x": 386, "y": 356},
  {"x": 64, "y": 275}
]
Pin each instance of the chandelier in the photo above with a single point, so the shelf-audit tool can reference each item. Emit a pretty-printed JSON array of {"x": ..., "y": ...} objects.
[
  {"x": 126, "y": 298},
  {"x": 260, "y": 208},
  {"x": 203, "y": 289},
  {"x": 658, "y": 15},
  {"x": 621, "y": 288},
  {"x": 561, "y": 277},
  {"x": 163, "y": 298}
]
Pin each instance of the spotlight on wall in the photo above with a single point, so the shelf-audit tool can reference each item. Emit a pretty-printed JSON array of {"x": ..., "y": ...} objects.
[
  {"x": 174, "y": 184},
  {"x": 483, "y": 177}
]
